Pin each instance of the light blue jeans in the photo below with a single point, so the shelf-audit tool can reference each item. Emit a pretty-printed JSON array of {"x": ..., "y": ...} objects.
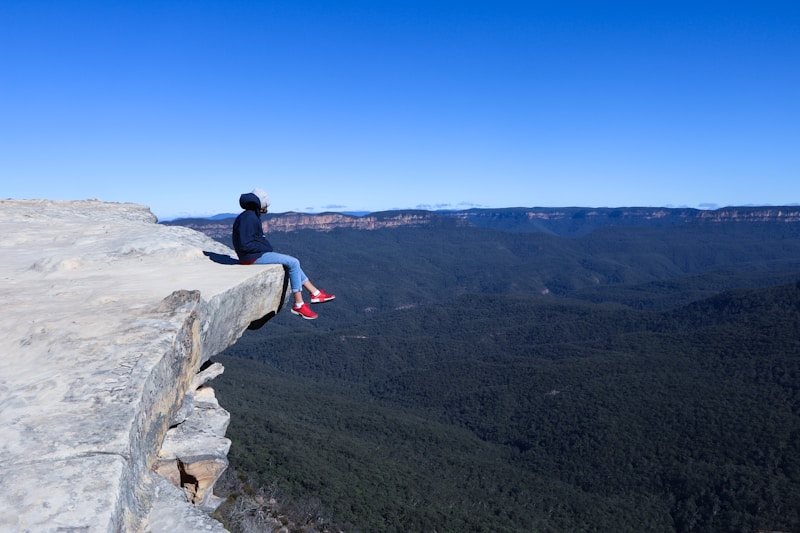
[{"x": 296, "y": 275}]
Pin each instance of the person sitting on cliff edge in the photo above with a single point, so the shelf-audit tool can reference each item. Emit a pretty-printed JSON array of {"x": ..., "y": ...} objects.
[{"x": 252, "y": 247}]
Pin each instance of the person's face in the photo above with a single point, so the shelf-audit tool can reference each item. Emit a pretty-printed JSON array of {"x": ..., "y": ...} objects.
[{"x": 263, "y": 209}]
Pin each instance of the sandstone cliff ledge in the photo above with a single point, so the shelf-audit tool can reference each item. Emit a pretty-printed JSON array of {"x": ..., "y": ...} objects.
[{"x": 108, "y": 320}]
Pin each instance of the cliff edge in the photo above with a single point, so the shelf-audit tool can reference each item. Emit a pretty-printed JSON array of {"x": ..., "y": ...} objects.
[{"x": 108, "y": 324}]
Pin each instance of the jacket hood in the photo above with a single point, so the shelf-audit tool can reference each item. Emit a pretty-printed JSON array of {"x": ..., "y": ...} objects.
[{"x": 250, "y": 202}]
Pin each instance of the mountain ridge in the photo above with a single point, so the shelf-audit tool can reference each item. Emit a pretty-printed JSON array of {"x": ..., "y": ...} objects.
[{"x": 563, "y": 221}]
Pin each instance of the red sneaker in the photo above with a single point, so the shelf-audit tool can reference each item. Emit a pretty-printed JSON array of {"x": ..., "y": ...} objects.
[
  {"x": 322, "y": 297},
  {"x": 304, "y": 311}
]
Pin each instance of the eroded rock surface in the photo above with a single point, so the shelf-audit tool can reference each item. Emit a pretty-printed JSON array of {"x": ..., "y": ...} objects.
[
  {"x": 107, "y": 319},
  {"x": 194, "y": 453}
]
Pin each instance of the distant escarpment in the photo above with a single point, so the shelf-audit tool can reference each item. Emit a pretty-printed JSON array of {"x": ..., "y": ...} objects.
[
  {"x": 565, "y": 221},
  {"x": 582, "y": 220}
]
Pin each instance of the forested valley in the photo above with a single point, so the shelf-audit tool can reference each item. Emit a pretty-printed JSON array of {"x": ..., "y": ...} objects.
[{"x": 472, "y": 379}]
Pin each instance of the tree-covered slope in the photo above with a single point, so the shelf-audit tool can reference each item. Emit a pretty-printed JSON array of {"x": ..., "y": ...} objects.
[
  {"x": 570, "y": 416},
  {"x": 471, "y": 379}
]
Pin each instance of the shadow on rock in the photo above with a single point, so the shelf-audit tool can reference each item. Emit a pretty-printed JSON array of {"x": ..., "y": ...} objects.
[{"x": 221, "y": 258}]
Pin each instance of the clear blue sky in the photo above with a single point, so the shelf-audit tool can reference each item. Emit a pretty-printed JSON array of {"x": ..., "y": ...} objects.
[{"x": 373, "y": 105}]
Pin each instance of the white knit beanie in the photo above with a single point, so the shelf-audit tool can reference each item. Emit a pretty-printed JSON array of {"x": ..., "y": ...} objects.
[{"x": 263, "y": 196}]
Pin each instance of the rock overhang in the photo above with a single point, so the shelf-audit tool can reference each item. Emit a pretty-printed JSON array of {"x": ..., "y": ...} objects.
[{"x": 107, "y": 317}]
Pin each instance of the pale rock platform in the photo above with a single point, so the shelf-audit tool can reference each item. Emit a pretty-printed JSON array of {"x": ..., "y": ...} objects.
[{"x": 107, "y": 318}]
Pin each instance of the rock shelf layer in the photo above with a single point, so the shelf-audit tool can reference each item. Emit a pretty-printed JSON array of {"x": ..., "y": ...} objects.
[{"x": 107, "y": 319}]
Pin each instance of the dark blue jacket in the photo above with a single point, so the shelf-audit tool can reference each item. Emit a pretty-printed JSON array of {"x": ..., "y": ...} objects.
[{"x": 248, "y": 235}]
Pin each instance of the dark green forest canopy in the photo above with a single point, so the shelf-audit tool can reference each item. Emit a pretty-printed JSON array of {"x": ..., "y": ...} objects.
[{"x": 478, "y": 380}]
